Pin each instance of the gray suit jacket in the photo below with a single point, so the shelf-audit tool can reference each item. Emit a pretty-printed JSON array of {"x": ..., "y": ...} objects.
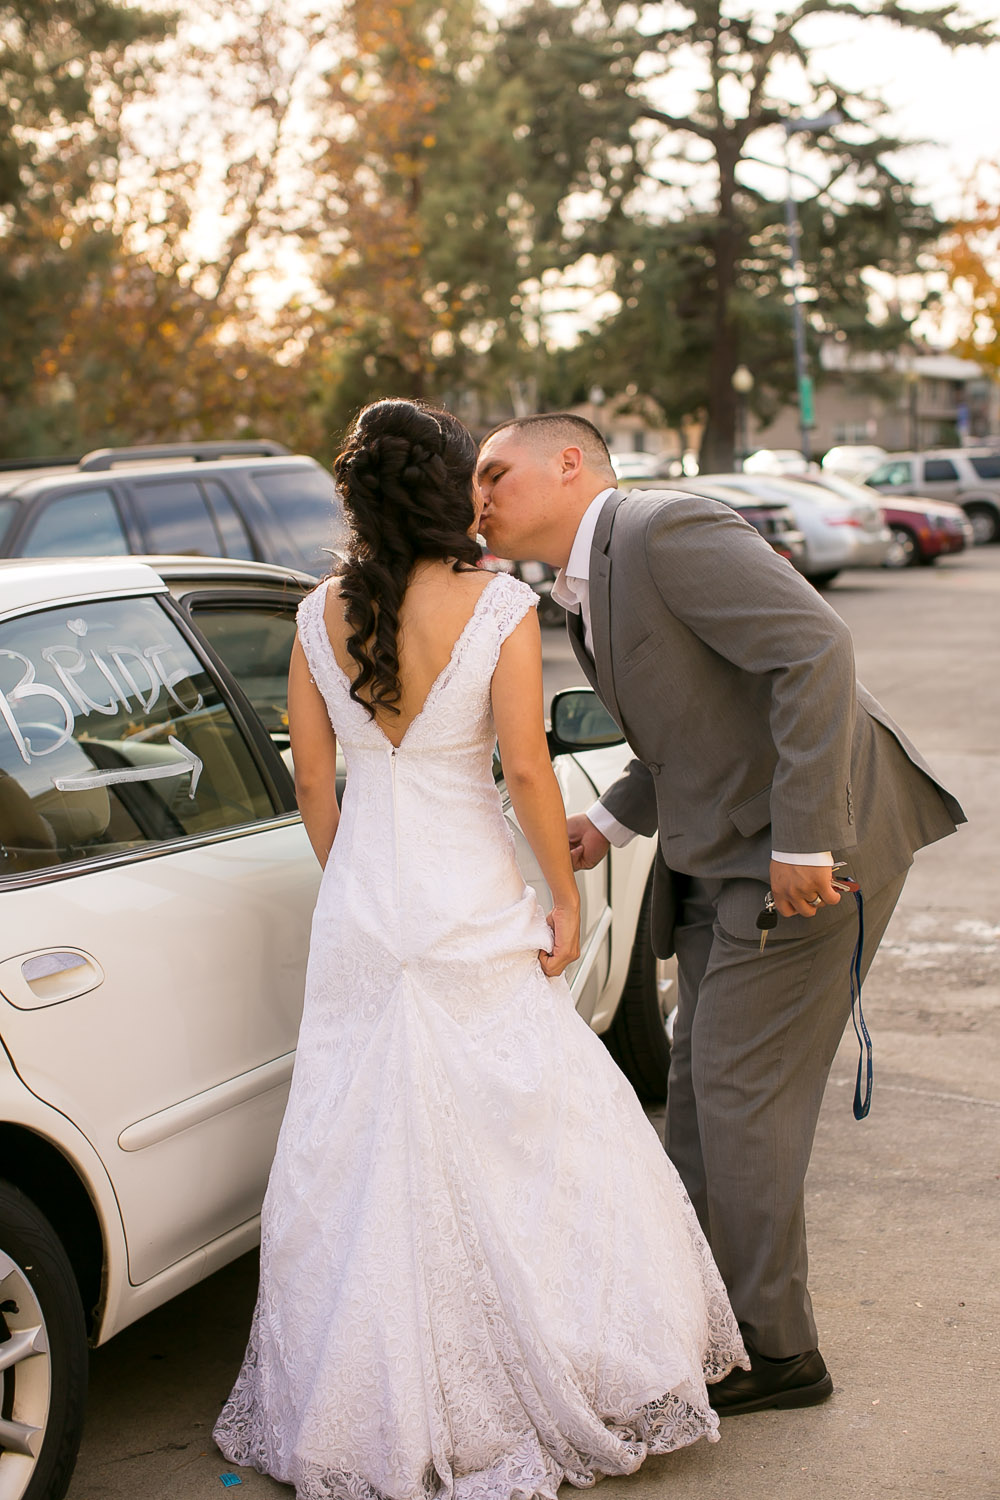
[{"x": 733, "y": 682}]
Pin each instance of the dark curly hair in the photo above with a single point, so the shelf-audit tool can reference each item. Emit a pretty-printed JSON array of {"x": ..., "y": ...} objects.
[{"x": 405, "y": 478}]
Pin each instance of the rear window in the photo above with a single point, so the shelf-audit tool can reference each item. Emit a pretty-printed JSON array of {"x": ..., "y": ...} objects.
[
  {"x": 939, "y": 468},
  {"x": 176, "y": 518},
  {"x": 85, "y": 523},
  {"x": 306, "y": 502},
  {"x": 986, "y": 468},
  {"x": 113, "y": 737}
]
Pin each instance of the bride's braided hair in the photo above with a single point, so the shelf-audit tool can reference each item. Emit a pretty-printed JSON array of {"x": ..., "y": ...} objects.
[{"x": 405, "y": 477}]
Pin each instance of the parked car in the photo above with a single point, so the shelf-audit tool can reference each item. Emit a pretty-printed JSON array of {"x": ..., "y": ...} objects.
[
  {"x": 772, "y": 518},
  {"x": 775, "y": 461},
  {"x": 839, "y": 533},
  {"x": 157, "y": 890},
  {"x": 852, "y": 460},
  {"x": 921, "y": 530},
  {"x": 968, "y": 476},
  {"x": 251, "y": 500}
]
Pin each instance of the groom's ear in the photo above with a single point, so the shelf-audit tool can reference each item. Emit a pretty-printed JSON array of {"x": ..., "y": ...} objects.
[{"x": 571, "y": 462}]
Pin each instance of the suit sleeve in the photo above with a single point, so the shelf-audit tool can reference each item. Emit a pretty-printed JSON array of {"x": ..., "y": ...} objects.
[
  {"x": 632, "y": 799},
  {"x": 716, "y": 574}
]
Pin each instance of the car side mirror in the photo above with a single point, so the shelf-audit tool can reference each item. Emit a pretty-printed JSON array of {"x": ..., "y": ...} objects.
[{"x": 581, "y": 722}]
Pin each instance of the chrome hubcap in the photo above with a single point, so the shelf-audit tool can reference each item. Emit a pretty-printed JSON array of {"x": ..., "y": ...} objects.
[
  {"x": 25, "y": 1380},
  {"x": 982, "y": 528}
]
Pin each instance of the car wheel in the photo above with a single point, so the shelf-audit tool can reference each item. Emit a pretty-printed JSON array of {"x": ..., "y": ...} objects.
[
  {"x": 820, "y": 580},
  {"x": 43, "y": 1355},
  {"x": 639, "y": 1036},
  {"x": 985, "y": 522},
  {"x": 903, "y": 550}
]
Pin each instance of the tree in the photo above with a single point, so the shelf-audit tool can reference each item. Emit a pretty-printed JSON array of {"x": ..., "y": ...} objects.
[
  {"x": 970, "y": 253},
  {"x": 65, "y": 72},
  {"x": 686, "y": 203}
]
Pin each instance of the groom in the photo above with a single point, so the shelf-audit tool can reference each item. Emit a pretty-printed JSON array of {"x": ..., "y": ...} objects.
[{"x": 759, "y": 761}]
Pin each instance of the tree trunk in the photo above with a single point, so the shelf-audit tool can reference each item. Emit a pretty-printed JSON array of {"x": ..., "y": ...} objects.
[{"x": 718, "y": 443}]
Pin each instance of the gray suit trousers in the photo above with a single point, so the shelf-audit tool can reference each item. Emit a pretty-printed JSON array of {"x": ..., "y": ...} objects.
[{"x": 754, "y": 1041}]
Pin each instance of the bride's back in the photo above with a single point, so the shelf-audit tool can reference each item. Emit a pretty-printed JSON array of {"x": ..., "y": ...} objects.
[{"x": 434, "y": 612}]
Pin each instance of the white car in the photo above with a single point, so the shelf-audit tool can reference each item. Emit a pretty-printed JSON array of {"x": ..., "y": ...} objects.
[
  {"x": 776, "y": 461},
  {"x": 838, "y": 533},
  {"x": 157, "y": 891},
  {"x": 853, "y": 461}
]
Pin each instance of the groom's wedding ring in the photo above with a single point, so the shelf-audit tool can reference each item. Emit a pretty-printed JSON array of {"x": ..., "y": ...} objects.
[{"x": 816, "y": 901}]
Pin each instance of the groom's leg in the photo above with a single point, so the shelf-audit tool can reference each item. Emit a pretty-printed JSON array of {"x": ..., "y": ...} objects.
[
  {"x": 693, "y": 937},
  {"x": 764, "y": 1036}
]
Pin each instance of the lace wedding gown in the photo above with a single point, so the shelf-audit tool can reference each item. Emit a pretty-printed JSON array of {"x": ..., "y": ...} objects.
[{"x": 480, "y": 1275}]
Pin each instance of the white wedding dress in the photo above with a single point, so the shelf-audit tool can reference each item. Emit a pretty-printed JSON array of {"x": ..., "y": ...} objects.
[{"x": 480, "y": 1275}]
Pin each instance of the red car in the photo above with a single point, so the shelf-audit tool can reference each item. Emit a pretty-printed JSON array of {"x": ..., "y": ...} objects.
[{"x": 922, "y": 530}]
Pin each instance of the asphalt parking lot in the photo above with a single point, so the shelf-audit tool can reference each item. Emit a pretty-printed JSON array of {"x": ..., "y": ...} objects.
[{"x": 903, "y": 1207}]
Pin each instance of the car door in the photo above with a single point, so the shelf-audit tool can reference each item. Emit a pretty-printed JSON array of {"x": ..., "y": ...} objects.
[
  {"x": 157, "y": 892},
  {"x": 588, "y": 975},
  {"x": 939, "y": 478}
]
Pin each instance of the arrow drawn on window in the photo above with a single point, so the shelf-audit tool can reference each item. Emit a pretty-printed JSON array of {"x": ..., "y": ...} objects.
[{"x": 188, "y": 764}]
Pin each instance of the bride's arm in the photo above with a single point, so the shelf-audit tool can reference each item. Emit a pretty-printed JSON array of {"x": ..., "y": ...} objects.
[
  {"x": 314, "y": 755},
  {"x": 519, "y": 715}
]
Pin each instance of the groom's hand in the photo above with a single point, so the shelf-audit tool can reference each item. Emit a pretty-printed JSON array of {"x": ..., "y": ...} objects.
[
  {"x": 587, "y": 847},
  {"x": 795, "y": 888}
]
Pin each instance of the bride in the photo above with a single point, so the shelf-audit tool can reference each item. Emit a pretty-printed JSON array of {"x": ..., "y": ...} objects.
[{"x": 480, "y": 1275}]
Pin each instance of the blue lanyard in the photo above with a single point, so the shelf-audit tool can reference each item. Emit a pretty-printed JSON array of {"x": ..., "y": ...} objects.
[{"x": 862, "y": 1102}]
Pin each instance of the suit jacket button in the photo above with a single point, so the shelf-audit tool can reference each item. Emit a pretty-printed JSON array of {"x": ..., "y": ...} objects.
[{"x": 654, "y": 767}]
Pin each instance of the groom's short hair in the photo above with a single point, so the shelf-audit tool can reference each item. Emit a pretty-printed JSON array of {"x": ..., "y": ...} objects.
[{"x": 561, "y": 429}]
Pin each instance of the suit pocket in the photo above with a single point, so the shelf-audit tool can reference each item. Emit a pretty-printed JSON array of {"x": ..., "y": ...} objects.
[
  {"x": 752, "y": 814},
  {"x": 639, "y": 652}
]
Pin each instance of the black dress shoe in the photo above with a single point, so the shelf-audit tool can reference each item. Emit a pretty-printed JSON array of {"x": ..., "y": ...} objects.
[{"x": 773, "y": 1383}]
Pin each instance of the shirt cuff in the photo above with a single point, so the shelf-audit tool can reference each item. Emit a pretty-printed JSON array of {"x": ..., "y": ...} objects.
[
  {"x": 798, "y": 859},
  {"x": 616, "y": 833}
]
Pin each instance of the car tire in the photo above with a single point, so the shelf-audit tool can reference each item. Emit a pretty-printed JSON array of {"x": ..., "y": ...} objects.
[
  {"x": 821, "y": 580},
  {"x": 639, "y": 1036},
  {"x": 43, "y": 1384},
  {"x": 985, "y": 522},
  {"x": 904, "y": 551}
]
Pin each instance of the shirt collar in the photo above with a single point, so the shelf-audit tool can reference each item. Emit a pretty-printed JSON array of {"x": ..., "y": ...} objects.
[{"x": 578, "y": 563}]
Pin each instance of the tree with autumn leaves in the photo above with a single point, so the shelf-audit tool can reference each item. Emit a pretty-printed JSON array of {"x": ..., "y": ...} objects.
[
  {"x": 970, "y": 253},
  {"x": 437, "y": 185}
]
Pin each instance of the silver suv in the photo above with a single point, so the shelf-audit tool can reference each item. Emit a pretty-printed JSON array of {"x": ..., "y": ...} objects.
[
  {"x": 246, "y": 499},
  {"x": 968, "y": 476}
]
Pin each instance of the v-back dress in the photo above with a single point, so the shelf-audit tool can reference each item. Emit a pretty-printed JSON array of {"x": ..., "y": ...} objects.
[{"x": 480, "y": 1275}]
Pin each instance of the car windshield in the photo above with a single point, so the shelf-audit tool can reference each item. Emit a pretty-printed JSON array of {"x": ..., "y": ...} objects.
[
  {"x": 846, "y": 489},
  {"x": 8, "y": 510}
]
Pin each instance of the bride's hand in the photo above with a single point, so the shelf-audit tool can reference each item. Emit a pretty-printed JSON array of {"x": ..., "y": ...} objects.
[{"x": 564, "y": 919}]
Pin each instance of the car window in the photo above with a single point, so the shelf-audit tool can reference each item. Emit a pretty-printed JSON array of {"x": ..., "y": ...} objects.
[
  {"x": 235, "y": 537},
  {"x": 176, "y": 517},
  {"x": 939, "y": 468},
  {"x": 987, "y": 468},
  {"x": 8, "y": 510},
  {"x": 85, "y": 523},
  {"x": 113, "y": 737},
  {"x": 305, "y": 501},
  {"x": 897, "y": 472},
  {"x": 255, "y": 642}
]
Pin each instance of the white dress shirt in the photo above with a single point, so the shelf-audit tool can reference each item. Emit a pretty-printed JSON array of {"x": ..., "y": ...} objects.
[{"x": 571, "y": 589}]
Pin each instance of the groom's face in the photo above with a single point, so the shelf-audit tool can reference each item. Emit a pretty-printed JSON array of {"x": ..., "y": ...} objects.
[{"x": 520, "y": 486}]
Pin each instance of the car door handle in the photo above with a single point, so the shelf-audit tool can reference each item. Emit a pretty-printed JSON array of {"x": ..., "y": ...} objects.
[{"x": 48, "y": 976}]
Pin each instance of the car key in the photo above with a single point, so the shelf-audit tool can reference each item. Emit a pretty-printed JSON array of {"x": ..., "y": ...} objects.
[{"x": 767, "y": 918}]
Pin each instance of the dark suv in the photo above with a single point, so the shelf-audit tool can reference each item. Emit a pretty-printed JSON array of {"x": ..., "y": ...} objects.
[{"x": 245, "y": 499}]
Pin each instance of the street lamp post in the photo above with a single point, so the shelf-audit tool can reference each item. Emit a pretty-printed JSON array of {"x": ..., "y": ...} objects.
[
  {"x": 742, "y": 380},
  {"x": 803, "y": 380}
]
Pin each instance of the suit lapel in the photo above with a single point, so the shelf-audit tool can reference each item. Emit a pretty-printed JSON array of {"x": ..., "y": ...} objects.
[
  {"x": 600, "y": 603},
  {"x": 574, "y": 624}
]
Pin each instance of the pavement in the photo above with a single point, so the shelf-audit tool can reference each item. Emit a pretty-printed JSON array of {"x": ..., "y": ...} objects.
[{"x": 902, "y": 1207}]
